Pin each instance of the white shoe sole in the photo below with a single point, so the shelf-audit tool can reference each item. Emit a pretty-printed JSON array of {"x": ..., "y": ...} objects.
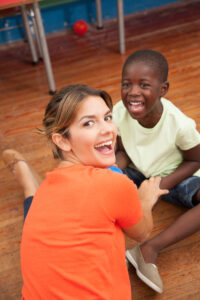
[{"x": 141, "y": 276}]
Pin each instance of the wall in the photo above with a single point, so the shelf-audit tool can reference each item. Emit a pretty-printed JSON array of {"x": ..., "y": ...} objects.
[{"x": 63, "y": 16}]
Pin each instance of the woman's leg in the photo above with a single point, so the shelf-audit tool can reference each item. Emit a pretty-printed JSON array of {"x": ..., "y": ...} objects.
[{"x": 28, "y": 179}]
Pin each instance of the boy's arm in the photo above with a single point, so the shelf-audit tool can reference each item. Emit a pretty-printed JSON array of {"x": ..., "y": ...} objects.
[
  {"x": 187, "y": 168},
  {"x": 122, "y": 159}
]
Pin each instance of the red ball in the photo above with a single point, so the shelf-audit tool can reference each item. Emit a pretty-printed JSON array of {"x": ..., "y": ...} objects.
[{"x": 80, "y": 27}]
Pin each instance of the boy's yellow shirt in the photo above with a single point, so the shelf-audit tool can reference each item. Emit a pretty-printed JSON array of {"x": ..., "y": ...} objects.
[{"x": 155, "y": 151}]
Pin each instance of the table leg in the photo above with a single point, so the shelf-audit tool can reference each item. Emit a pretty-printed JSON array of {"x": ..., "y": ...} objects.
[
  {"x": 99, "y": 14},
  {"x": 121, "y": 29},
  {"x": 29, "y": 35},
  {"x": 45, "y": 52}
]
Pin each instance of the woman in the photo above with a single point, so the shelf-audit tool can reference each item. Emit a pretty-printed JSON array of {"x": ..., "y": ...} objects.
[{"x": 73, "y": 242}]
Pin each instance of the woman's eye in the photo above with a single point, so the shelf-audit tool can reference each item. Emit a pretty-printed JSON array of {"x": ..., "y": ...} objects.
[
  {"x": 88, "y": 123},
  {"x": 108, "y": 118}
]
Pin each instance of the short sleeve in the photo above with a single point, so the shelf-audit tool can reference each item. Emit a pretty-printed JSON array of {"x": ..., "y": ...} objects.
[
  {"x": 121, "y": 201},
  {"x": 188, "y": 137},
  {"x": 128, "y": 207}
]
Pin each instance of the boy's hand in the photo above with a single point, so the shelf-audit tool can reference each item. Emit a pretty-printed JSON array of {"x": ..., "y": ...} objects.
[{"x": 149, "y": 192}]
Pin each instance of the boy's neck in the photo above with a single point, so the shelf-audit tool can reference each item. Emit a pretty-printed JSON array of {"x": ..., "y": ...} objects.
[{"x": 152, "y": 119}]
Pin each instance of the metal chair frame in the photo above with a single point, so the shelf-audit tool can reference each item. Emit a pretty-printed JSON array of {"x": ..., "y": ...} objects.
[{"x": 30, "y": 8}]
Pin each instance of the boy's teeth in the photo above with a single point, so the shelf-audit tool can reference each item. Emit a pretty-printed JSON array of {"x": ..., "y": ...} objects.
[
  {"x": 136, "y": 103},
  {"x": 103, "y": 144}
]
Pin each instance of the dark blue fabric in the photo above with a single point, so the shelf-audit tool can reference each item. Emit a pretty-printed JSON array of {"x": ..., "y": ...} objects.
[
  {"x": 181, "y": 194},
  {"x": 27, "y": 204},
  {"x": 136, "y": 176}
]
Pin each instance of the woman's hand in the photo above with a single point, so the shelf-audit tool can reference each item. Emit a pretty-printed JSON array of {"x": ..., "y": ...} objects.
[{"x": 149, "y": 192}]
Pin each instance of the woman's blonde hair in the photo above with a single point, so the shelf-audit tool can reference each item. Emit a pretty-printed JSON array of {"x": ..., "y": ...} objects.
[{"x": 62, "y": 108}]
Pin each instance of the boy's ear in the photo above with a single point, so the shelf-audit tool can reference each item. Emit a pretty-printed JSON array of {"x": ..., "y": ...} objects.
[
  {"x": 164, "y": 88},
  {"x": 61, "y": 142}
]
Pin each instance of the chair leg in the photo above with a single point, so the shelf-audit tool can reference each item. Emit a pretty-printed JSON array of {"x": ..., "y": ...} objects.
[
  {"x": 120, "y": 13},
  {"x": 99, "y": 14},
  {"x": 45, "y": 52},
  {"x": 29, "y": 35}
]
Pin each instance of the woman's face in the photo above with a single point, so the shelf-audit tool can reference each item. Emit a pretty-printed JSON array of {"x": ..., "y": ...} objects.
[{"x": 93, "y": 134}]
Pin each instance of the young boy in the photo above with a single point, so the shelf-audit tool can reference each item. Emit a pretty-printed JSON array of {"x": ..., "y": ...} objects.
[{"x": 157, "y": 139}]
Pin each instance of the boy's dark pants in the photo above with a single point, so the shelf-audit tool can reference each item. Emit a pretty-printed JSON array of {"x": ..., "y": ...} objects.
[{"x": 181, "y": 194}]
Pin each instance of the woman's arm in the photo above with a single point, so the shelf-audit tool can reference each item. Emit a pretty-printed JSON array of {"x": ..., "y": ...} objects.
[
  {"x": 149, "y": 192},
  {"x": 187, "y": 168}
]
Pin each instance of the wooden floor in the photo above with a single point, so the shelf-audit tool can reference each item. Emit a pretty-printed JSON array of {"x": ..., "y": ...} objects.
[{"x": 93, "y": 59}]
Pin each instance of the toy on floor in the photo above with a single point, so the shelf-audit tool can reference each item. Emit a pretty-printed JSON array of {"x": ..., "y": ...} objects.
[{"x": 80, "y": 27}]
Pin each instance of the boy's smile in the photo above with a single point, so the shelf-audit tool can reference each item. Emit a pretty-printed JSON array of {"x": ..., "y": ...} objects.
[{"x": 141, "y": 92}]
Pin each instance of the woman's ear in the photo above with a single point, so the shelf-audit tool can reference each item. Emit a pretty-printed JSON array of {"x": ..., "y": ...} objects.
[
  {"x": 61, "y": 142},
  {"x": 164, "y": 88}
]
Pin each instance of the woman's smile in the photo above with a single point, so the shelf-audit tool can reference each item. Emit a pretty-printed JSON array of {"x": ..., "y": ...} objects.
[{"x": 105, "y": 147}]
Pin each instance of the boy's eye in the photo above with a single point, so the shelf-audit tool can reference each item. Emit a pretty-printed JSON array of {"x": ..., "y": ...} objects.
[
  {"x": 126, "y": 84},
  {"x": 143, "y": 85},
  {"x": 108, "y": 118},
  {"x": 88, "y": 123}
]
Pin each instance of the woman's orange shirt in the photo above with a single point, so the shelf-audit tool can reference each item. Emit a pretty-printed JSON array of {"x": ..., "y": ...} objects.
[{"x": 72, "y": 243}]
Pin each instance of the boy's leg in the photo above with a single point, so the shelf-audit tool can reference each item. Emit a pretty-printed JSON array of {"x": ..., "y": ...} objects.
[
  {"x": 187, "y": 224},
  {"x": 28, "y": 179},
  {"x": 186, "y": 193},
  {"x": 183, "y": 227},
  {"x": 144, "y": 257},
  {"x": 183, "y": 194},
  {"x": 196, "y": 198},
  {"x": 136, "y": 176}
]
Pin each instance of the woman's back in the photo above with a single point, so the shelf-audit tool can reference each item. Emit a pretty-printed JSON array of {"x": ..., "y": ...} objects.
[{"x": 72, "y": 244}]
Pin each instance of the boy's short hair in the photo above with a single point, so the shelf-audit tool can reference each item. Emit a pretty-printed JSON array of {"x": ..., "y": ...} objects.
[{"x": 152, "y": 58}]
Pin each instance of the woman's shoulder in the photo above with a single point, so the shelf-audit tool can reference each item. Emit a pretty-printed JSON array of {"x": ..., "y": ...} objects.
[
  {"x": 114, "y": 178},
  {"x": 81, "y": 174}
]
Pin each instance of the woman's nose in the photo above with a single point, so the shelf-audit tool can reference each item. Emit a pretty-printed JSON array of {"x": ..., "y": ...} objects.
[{"x": 106, "y": 127}]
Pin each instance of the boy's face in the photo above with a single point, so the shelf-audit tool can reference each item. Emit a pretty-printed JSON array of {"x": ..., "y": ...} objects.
[{"x": 141, "y": 92}]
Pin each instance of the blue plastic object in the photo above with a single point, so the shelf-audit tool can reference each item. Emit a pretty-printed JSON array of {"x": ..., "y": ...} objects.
[{"x": 115, "y": 169}]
